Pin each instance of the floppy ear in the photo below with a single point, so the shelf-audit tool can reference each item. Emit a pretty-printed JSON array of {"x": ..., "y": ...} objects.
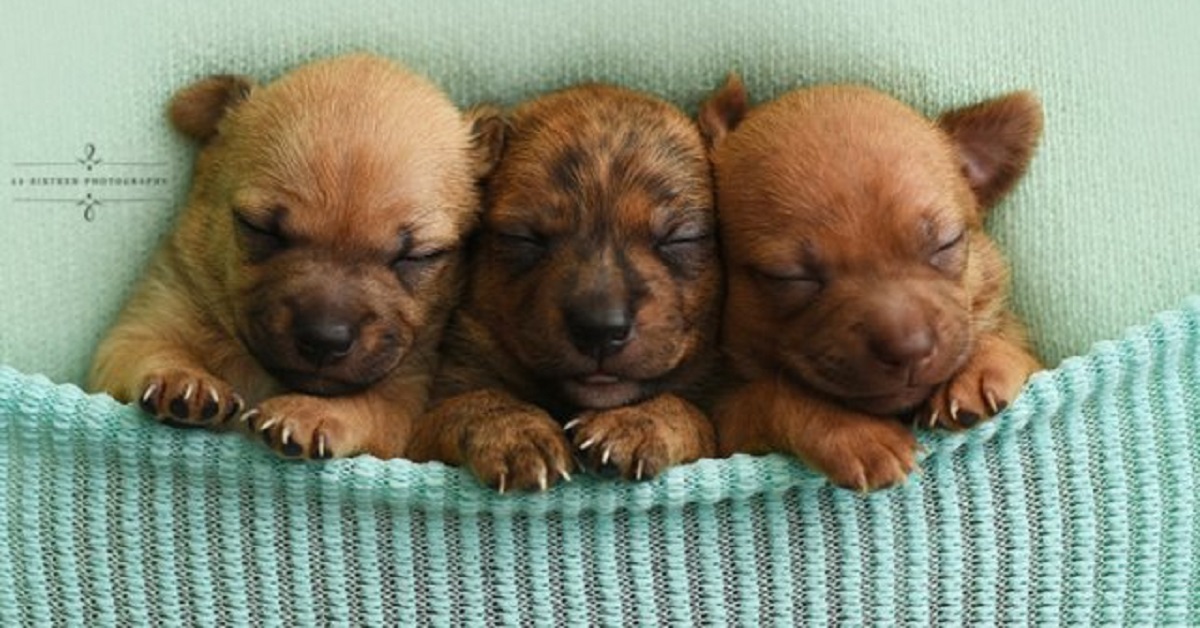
[
  {"x": 995, "y": 141},
  {"x": 723, "y": 111},
  {"x": 488, "y": 130},
  {"x": 197, "y": 109}
]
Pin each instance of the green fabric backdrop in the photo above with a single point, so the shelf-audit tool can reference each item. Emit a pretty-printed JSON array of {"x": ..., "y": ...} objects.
[{"x": 1103, "y": 233}]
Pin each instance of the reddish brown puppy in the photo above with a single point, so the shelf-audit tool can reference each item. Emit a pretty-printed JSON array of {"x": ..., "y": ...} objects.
[
  {"x": 861, "y": 285},
  {"x": 593, "y": 300},
  {"x": 310, "y": 275}
]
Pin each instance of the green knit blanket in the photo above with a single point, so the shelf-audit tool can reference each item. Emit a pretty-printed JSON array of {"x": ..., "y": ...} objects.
[{"x": 1077, "y": 505}]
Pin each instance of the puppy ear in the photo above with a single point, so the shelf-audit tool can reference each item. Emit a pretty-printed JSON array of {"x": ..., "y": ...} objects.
[
  {"x": 488, "y": 130},
  {"x": 723, "y": 111},
  {"x": 995, "y": 140},
  {"x": 197, "y": 109}
]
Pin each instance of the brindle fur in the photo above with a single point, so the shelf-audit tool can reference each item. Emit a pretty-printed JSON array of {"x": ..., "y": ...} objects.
[{"x": 592, "y": 183}]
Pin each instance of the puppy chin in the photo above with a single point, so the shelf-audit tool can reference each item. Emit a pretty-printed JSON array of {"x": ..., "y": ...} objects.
[
  {"x": 600, "y": 392},
  {"x": 321, "y": 385},
  {"x": 893, "y": 404},
  {"x": 332, "y": 380}
]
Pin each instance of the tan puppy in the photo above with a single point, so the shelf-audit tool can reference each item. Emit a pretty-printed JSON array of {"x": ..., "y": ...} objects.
[
  {"x": 312, "y": 271},
  {"x": 860, "y": 282},
  {"x": 593, "y": 299}
]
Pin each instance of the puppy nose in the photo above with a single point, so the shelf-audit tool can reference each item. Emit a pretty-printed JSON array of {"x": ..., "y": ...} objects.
[
  {"x": 323, "y": 339},
  {"x": 599, "y": 332},
  {"x": 902, "y": 346}
]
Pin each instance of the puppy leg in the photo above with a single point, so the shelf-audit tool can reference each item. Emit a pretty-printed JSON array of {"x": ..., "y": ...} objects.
[
  {"x": 377, "y": 421},
  {"x": 150, "y": 357},
  {"x": 505, "y": 442},
  {"x": 644, "y": 439},
  {"x": 853, "y": 450},
  {"x": 989, "y": 382}
]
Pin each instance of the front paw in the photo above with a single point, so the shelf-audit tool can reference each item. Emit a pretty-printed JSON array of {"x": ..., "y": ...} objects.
[
  {"x": 189, "y": 398},
  {"x": 300, "y": 426},
  {"x": 524, "y": 450},
  {"x": 864, "y": 454},
  {"x": 984, "y": 387},
  {"x": 638, "y": 442}
]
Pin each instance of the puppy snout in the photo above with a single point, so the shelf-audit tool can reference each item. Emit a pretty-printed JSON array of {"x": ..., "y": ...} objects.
[
  {"x": 899, "y": 335},
  {"x": 902, "y": 347},
  {"x": 324, "y": 338},
  {"x": 599, "y": 331}
]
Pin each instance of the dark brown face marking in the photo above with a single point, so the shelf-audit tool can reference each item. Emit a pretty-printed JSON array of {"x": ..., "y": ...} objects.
[
  {"x": 580, "y": 273},
  {"x": 567, "y": 169}
]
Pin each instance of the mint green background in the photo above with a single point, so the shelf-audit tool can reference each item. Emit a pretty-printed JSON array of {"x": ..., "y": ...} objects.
[{"x": 1103, "y": 232}]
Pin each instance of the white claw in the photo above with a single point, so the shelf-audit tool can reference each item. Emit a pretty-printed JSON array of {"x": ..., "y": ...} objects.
[
  {"x": 187, "y": 392},
  {"x": 543, "y": 481},
  {"x": 286, "y": 437},
  {"x": 269, "y": 423},
  {"x": 587, "y": 443},
  {"x": 249, "y": 414},
  {"x": 954, "y": 409},
  {"x": 503, "y": 478},
  {"x": 933, "y": 418},
  {"x": 565, "y": 476},
  {"x": 991, "y": 401},
  {"x": 212, "y": 394},
  {"x": 604, "y": 458},
  {"x": 640, "y": 468},
  {"x": 572, "y": 424},
  {"x": 321, "y": 446},
  {"x": 149, "y": 392}
]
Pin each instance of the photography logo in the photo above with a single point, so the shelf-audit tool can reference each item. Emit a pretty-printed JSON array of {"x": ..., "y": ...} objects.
[{"x": 90, "y": 182}]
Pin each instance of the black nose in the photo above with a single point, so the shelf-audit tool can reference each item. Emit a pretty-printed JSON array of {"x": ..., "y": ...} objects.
[
  {"x": 599, "y": 332},
  {"x": 323, "y": 339}
]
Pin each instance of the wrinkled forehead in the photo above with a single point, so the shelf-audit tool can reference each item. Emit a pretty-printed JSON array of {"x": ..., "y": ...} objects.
[
  {"x": 597, "y": 173},
  {"x": 839, "y": 180},
  {"x": 354, "y": 181}
]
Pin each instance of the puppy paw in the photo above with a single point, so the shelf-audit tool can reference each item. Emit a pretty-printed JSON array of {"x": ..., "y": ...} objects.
[
  {"x": 865, "y": 454},
  {"x": 300, "y": 426},
  {"x": 985, "y": 386},
  {"x": 639, "y": 442},
  {"x": 189, "y": 398},
  {"x": 523, "y": 451}
]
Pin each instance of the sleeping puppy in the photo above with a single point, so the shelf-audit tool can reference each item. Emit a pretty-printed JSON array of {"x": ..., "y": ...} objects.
[
  {"x": 310, "y": 275},
  {"x": 861, "y": 286},
  {"x": 593, "y": 300}
]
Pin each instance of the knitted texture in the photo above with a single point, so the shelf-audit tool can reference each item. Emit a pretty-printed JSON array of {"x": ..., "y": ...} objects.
[
  {"x": 1077, "y": 505},
  {"x": 1102, "y": 233}
]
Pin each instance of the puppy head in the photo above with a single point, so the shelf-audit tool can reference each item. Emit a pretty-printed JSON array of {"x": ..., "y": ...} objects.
[
  {"x": 853, "y": 238},
  {"x": 597, "y": 266},
  {"x": 327, "y": 215}
]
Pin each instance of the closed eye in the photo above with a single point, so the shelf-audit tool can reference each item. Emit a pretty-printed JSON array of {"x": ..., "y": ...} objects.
[
  {"x": 952, "y": 242},
  {"x": 415, "y": 258},
  {"x": 793, "y": 282},
  {"x": 949, "y": 256},
  {"x": 790, "y": 291},
  {"x": 522, "y": 238},
  {"x": 261, "y": 238},
  {"x": 518, "y": 248}
]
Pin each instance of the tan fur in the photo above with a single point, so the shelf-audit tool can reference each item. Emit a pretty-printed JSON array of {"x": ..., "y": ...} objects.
[
  {"x": 852, "y": 299},
  {"x": 586, "y": 212},
  {"x": 341, "y": 191}
]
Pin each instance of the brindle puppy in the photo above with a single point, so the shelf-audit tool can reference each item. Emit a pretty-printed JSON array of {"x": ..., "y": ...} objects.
[
  {"x": 593, "y": 298},
  {"x": 861, "y": 283},
  {"x": 315, "y": 264}
]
